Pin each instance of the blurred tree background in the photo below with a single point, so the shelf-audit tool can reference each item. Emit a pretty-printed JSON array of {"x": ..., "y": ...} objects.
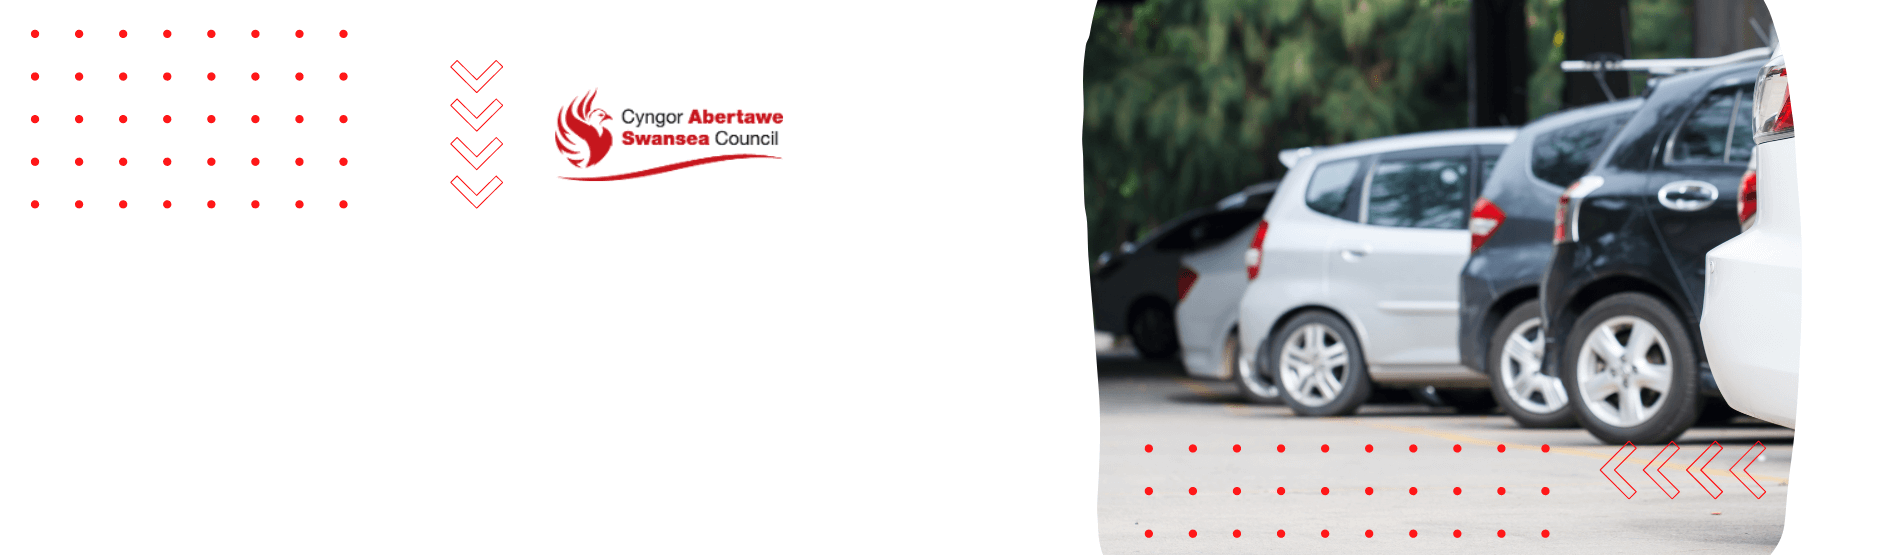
[{"x": 1190, "y": 100}]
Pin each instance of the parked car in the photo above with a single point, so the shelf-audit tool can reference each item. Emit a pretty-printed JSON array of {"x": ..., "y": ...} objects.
[
  {"x": 1135, "y": 291},
  {"x": 1624, "y": 286},
  {"x": 1211, "y": 281},
  {"x": 1751, "y": 321},
  {"x": 1499, "y": 324},
  {"x": 1354, "y": 272}
]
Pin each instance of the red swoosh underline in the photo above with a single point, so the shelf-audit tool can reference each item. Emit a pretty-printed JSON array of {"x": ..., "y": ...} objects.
[{"x": 670, "y": 167}]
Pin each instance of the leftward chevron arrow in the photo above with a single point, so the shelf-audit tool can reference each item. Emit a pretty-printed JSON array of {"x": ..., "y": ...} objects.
[
  {"x": 1663, "y": 470},
  {"x": 1630, "y": 448},
  {"x": 1716, "y": 448}
]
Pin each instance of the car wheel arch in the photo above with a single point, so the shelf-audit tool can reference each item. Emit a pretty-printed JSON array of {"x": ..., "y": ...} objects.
[
  {"x": 1497, "y": 309},
  {"x": 1290, "y": 313}
]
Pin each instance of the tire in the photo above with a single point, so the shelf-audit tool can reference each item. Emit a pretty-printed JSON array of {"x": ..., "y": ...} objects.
[
  {"x": 1664, "y": 388},
  {"x": 1468, "y": 401},
  {"x": 1152, "y": 330},
  {"x": 1335, "y": 382},
  {"x": 1229, "y": 355},
  {"x": 1531, "y": 396},
  {"x": 1254, "y": 379}
]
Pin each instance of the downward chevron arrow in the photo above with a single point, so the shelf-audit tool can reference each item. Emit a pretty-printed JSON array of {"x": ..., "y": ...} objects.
[
  {"x": 1630, "y": 448},
  {"x": 1663, "y": 470},
  {"x": 473, "y": 119},
  {"x": 476, "y": 197},
  {"x": 476, "y": 82},
  {"x": 1716, "y": 448},
  {"x": 476, "y": 159}
]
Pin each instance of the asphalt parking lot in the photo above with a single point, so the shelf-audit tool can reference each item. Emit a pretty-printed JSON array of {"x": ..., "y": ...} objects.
[{"x": 1325, "y": 471}]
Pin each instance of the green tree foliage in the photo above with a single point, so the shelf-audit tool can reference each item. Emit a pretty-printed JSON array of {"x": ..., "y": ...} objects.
[{"x": 1189, "y": 100}]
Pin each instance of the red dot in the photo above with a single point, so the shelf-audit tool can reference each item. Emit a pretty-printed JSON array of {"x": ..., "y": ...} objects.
[
  {"x": 344, "y": 162},
  {"x": 210, "y": 118},
  {"x": 253, "y": 161},
  {"x": 1499, "y": 448},
  {"x": 345, "y": 119},
  {"x": 343, "y": 76},
  {"x": 79, "y": 76},
  {"x": 1149, "y": 533},
  {"x": 121, "y": 118},
  {"x": 1281, "y": 533},
  {"x": 253, "y": 33},
  {"x": 36, "y": 76},
  {"x": 1326, "y": 448},
  {"x": 1367, "y": 533},
  {"x": 1281, "y": 448},
  {"x": 78, "y": 204},
  {"x": 1500, "y": 491},
  {"x": 1545, "y": 491},
  {"x": 78, "y": 33},
  {"x": 253, "y": 118},
  {"x": 1499, "y": 533},
  {"x": 1456, "y": 533},
  {"x": 211, "y": 33},
  {"x": 1324, "y": 491},
  {"x": 79, "y": 119},
  {"x": 121, "y": 161},
  {"x": 253, "y": 204},
  {"x": 210, "y": 204},
  {"x": 1413, "y": 447},
  {"x": 1235, "y": 490},
  {"x": 343, "y": 33},
  {"x": 168, "y": 203},
  {"x": 79, "y": 161},
  {"x": 254, "y": 76},
  {"x": 121, "y": 204},
  {"x": 299, "y": 118},
  {"x": 1458, "y": 448},
  {"x": 36, "y": 34},
  {"x": 36, "y": 118},
  {"x": 212, "y": 76},
  {"x": 1413, "y": 533},
  {"x": 167, "y": 118},
  {"x": 1413, "y": 491},
  {"x": 1192, "y": 491},
  {"x": 122, "y": 76},
  {"x": 121, "y": 33},
  {"x": 1545, "y": 447},
  {"x": 299, "y": 76},
  {"x": 342, "y": 204},
  {"x": 210, "y": 161},
  {"x": 299, "y": 33},
  {"x": 1367, "y": 447},
  {"x": 1149, "y": 447},
  {"x": 167, "y": 76},
  {"x": 1192, "y": 533},
  {"x": 1545, "y": 533},
  {"x": 1194, "y": 448},
  {"x": 167, "y": 161},
  {"x": 1457, "y": 491},
  {"x": 300, "y": 205},
  {"x": 36, "y": 204},
  {"x": 36, "y": 161},
  {"x": 1324, "y": 533},
  {"x": 1235, "y": 533},
  {"x": 1235, "y": 446},
  {"x": 1367, "y": 491},
  {"x": 168, "y": 33}
]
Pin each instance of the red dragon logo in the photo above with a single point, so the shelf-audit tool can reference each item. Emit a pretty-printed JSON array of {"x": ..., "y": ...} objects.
[{"x": 583, "y": 136}]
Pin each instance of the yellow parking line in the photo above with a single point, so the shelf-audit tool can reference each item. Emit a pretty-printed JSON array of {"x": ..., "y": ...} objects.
[
  {"x": 1206, "y": 392},
  {"x": 1552, "y": 449}
]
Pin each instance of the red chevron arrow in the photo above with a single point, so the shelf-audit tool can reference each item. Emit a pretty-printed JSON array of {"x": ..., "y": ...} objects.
[
  {"x": 476, "y": 159},
  {"x": 474, "y": 120},
  {"x": 1630, "y": 448},
  {"x": 476, "y": 82},
  {"x": 1749, "y": 458},
  {"x": 1716, "y": 448},
  {"x": 470, "y": 193},
  {"x": 1662, "y": 470}
]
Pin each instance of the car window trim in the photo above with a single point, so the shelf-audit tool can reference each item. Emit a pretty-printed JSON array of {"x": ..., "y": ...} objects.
[{"x": 1667, "y": 150}]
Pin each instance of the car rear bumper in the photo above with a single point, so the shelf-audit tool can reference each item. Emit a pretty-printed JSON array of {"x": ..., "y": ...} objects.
[{"x": 1751, "y": 320}]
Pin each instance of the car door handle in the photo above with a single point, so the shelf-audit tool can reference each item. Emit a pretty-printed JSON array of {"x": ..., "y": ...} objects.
[
  {"x": 1688, "y": 195},
  {"x": 1353, "y": 254}
]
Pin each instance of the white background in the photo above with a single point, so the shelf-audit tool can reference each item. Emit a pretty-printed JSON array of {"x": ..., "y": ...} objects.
[{"x": 878, "y": 343}]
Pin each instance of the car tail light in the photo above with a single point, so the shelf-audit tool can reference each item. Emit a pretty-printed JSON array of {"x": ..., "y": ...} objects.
[
  {"x": 1749, "y": 196},
  {"x": 1187, "y": 277},
  {"x": 1484, "y": 220},
  {"x": 1772, "y": 104},
  {"x": 1568, "y": 208},
  {"x": 1257, "y": 252}
]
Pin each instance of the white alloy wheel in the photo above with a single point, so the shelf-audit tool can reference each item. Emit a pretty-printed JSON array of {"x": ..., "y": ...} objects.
[
  {"x": 1624, "y": 371},
  {"x": 1313, "y": 365},
  {"x": 1521, "y": 369}
]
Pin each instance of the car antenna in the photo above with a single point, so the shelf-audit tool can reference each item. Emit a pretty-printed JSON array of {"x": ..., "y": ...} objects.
[{"x": 1757, "y": 30}]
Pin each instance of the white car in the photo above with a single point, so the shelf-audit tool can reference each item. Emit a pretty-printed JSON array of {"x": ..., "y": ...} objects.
[
  {"x": 1751, "y": 318},
  {"x": 1355, "y": 270},
  {"x": 1211, "y": 281}
]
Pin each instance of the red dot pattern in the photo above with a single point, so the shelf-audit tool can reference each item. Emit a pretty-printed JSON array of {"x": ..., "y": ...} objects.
[{"x": 1194, "y": 448}]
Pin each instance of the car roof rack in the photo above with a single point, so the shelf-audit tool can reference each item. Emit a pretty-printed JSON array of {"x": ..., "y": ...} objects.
[{"x": 1656, "y": 68}]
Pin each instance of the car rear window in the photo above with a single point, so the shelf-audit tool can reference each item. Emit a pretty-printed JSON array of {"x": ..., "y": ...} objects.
[
  {"x": 1331, "y": 186},
  {"x": 1562, "y": 156},
  {"x": 1422, "y": 192},
  {"x": 1710, "y": 134}
]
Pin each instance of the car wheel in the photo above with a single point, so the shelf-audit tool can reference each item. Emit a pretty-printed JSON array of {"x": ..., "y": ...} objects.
[
  {"x": 1152, "y": 331},
  {"x": 1533, "y": 397},
  {"x": 1317, "y": 360},
  {"x": 1255, "y": 380},
  {"x": 1631, "y": 372},
  {"x": 1229, "y": 355}
]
